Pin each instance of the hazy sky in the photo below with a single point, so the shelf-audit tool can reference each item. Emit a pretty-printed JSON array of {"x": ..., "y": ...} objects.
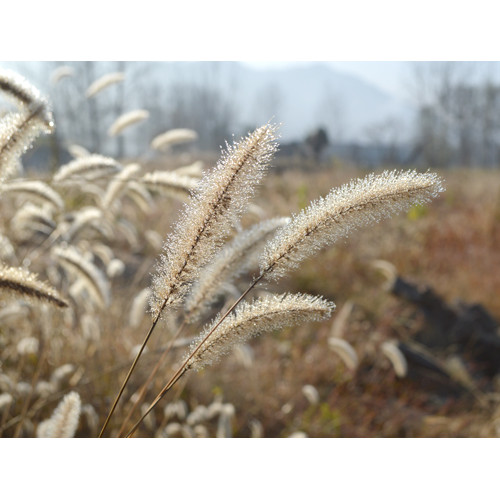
[
  {"x": 387, "y": 75},
  {"x": 391, "y": 76}
]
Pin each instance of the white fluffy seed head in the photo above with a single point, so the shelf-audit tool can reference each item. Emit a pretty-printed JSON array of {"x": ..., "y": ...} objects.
[
  {"x": 87, "y": 168},
  {"x": 21, "y": 282},
  {"x": 64, "y": 421},
  {"x": 95, "y": 282},
  {"x": 170, "y": 184},
  {"x": 171, "y": 137},
  {"x": 104, "y": 82},
  {"x": 345, "y": 351},
  {"x": 19, "y": 129},
  {"x": 27, "y": 346},
  {"x": 359, "y": 203},
  {"x": 36, "y": 190},
  {"x": 139, "y": 306},
  {"x": 396, "y": 357},
  {"x": 126, "y": 120},
  {"x": 6, "y": 400},
  {"x": 193, "y": 170},
  {"x": 77, "y": 151},
  {"x": 27, "y": 97},
  {"x": 119, "y": 184},
  {"x": 17, "y": 133},
  {"x": 311, "y": 394},
  {"x": 234, "y": 259},
  {"x": 60, "y": 73},
  {"x": 250, "y": 319},
  {"x": 213, "y": 210}
]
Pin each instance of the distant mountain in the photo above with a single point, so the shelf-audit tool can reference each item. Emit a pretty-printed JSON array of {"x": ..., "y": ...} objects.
[{"x": 301, "y": 97}]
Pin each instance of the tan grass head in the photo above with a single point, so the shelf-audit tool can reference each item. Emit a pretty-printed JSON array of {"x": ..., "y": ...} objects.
[
  {"x": 206, "y": 220},
  {"x": 359, "y": 203},
  {"x": 251, "y": 319},
  {"x": 22, "y": 283}
]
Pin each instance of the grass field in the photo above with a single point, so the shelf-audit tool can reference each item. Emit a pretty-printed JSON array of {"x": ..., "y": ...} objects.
[{"x": 451, "y": 245}]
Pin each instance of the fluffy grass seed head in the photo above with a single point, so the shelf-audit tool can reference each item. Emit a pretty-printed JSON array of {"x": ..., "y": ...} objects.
[
  {"x": 193, "y": 170},
  {"x": 94, "y": 279},
  {"x": 171, "y": 137},
  {"x": 87, "y": 167},
  {"x": 214, "y": 208},
  {"x": 25, "y": 95},
  {"x": 104, "y": 82},
  {"x": 77, "y": 151},
  {"x": 251, "y": 319},
  {"x": 235, "y": 258},
  {"x": 17, "y": 133},
  {"x": 170, "y": 184},
  {"x": 60, "y": 73},
  {"x": 36, "y": 190},
  {"x": 32, "y": 219},
  {"x": 119, "y": 184},
  {"x": 345, "y": 351},
  {"x": 396, "y": 357},
  {"x": 64, "y": 421},
  {"x": 126, "y": 120},
  {"x": 21, "y": 282},
  {"x": 359, "y": 203},
  {"x": 19, "y": 129}
]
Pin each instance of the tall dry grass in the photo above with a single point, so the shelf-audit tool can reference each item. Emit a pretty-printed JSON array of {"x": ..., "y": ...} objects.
[{"x": 94, "y": 236}]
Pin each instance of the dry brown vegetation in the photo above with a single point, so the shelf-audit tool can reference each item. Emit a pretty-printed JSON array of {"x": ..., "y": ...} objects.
[
  {"x": 286, "y": 383},
  {"x": 453, "y": 246}
]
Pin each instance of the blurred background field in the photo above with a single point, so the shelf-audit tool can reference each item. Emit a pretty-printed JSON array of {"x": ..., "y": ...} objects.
[{"x": 425, "y": 282}]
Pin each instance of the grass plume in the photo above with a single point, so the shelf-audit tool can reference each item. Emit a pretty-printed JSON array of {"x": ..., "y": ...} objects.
[
  {"x": 104, "y": 82},
  {"x": 21, "y": 282},
  {"x": 207, "y": 219},
  {"x": 235, "y": 258},
  {"x": 126, "y": 120},
  {"x": 359, "y": 203},
  {"x": 64, "y": 421},
  {"x": 87, "y": 167},
  {"x": 248, "y": 320}
]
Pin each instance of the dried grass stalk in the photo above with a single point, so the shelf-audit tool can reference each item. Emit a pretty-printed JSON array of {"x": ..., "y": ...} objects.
[{"x": 21, "y": 282}]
